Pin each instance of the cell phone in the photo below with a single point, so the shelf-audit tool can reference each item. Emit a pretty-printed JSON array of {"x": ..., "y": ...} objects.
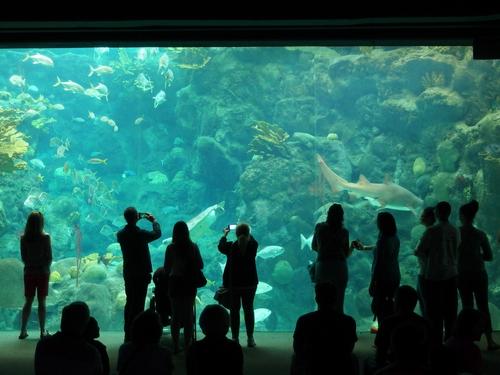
[
  {"x": 231, "y": 226},
  {"x": 142, "y": 215}
]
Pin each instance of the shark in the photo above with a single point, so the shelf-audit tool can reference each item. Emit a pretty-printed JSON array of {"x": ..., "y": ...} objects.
[{"x": 382, "y": 195}]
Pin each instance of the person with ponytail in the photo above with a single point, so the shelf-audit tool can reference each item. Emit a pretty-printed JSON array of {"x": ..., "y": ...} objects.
[
  {"x": 36, "y": 254},
  {"x": 331, "y": 242},
  {"x": 240, "y": 277},
  {"x": 473, "y": 250}
]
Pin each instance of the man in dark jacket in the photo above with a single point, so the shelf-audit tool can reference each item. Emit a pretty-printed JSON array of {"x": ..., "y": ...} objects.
[{"x": 137, "y": 266}]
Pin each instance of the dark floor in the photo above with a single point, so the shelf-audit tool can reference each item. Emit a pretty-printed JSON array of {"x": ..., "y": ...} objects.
[{"x": 271, "y": 356}]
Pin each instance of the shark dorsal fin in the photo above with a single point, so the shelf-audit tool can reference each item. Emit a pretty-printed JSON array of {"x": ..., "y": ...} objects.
[
  {"x": 363, "y": 180},
  {"x": 387, "y": 179}
]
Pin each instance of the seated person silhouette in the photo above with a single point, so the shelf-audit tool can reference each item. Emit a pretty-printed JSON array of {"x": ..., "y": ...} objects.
[
  {"x": 144, "y": 354},
  {"x": 92, "y": 332},
  {"x": 323, "y": 340},
  {"x": 408, "y": 341},
  {"x": 460, "y": 346},
  {"x": 405, "y": 302},
  {"x": 215, "y": 353},
  {"x": 67, "y": 352}
]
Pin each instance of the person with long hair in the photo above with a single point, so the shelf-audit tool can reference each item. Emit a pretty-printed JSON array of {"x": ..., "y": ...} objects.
[
  {"x": 427, "y": 219},
  {"x": 36, "y": 254},
  {"x": 240, "y": 277},
  {"x": 331, "y": 242},
  {"x": 386, "y": 275},
  {"x": 182, "y": 258},
  {"x": 473, "y": 250}
]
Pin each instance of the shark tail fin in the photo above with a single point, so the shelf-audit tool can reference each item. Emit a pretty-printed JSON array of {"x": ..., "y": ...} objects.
[
  {"x": 336, "y": 182},
  {"x": 303, "y": 241},
  {"x": 58, "y": 82}
]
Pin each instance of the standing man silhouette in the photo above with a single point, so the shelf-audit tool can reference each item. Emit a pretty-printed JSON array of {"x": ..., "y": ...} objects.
[{"x": 137, "y": 266}]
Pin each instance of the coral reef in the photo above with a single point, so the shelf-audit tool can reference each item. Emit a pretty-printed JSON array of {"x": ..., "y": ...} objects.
[
  {"x": 11, "y": 275},
  {"x": 12, "y": 142}
]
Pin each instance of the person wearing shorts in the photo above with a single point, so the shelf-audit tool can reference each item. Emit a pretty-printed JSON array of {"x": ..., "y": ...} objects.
[{"x": 36, "y": 254}]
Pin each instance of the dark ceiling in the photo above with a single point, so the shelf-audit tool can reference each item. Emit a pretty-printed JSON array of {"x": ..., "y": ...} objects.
[{"x": 147, "y": 23}]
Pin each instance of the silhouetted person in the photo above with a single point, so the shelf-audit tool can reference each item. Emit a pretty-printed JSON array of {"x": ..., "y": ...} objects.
[
  {"x": 465, "y": 354},
  {"x": 161, "y": 299},
  {"x": 385, "y": 267},
  {"x": 67, "y": 352},
  {"x": 407, "y": 341},
  {"x": 91, "y": 334},
  {"x": 240, "y": 276},
  {"x": 137, "y": 266},
  {"x": 215, "y": 353},
  {"x": 323, "y": 340},
  {"x": 404, "y": 304},
  {"x": 182, "y": 258},
  {"x": 331, "y": 242},
  {"x": 428, "y": 219},
  {"x": 36, "y": 254},
  {"x": 474, "y": 249},
  {"x": 438, "y": 248},
  {"x": 144, "y": 354}
]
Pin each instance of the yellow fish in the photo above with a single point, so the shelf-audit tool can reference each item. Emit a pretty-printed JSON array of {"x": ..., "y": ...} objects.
[{"x": 97, "y": 161}]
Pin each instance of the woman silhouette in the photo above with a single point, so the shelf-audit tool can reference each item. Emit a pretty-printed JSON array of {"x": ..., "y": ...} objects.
[{"x": 36, "y": 254}]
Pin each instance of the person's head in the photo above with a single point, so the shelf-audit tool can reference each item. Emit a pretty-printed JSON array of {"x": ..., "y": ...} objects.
[
  {"x": 180, "y": 233},
  {"x": 242, "y": 229},
  {"x": 214, "y": 321},
  {"x": 469, "y": 325},
  {"x": 92, "y": 330},
  {"x": 335, "y": 216},
  {"x": 468, "y": 212},
  {"x": 131, "y": 215},
  {"x": 386, "y": 224},
  {"x": 427, "y": 217},
  {"x": 326, "y": 295},
  {"x": 406, "y": 299},
  {"x": 34, "y": 225},
  {"x": 243, "y": 234},
  {"x": 443, "y": 211},
  {"x": 74, "y": 318},
  {"x": 146, "y": 328}
]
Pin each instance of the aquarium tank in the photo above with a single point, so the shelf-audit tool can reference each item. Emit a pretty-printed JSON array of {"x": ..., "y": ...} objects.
[{"x": 217, "y": 136}]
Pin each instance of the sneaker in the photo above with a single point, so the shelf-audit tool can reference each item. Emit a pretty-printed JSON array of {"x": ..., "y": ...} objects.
[
  {"x": 236, "y": 340},
  {"x": 251, "y": 342},
  {"x": 44, "y": 334},
  {"x": 23, "y": 335}
]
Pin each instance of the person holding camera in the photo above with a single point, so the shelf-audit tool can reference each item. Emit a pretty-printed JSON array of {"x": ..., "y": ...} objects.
[
  {"x": 240, "y": 277},
  {"x": 137, "y": 267}
]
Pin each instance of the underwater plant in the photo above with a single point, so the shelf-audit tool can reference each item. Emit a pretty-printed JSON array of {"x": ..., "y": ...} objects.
[{"x": 269, "y": 140}]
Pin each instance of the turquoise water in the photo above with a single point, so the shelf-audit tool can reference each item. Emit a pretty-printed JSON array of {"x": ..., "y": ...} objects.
[{"x": 216, "y": 136}]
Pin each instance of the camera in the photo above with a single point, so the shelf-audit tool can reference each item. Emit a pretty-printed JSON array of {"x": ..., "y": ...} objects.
[{"x": 231, "y": 226}]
